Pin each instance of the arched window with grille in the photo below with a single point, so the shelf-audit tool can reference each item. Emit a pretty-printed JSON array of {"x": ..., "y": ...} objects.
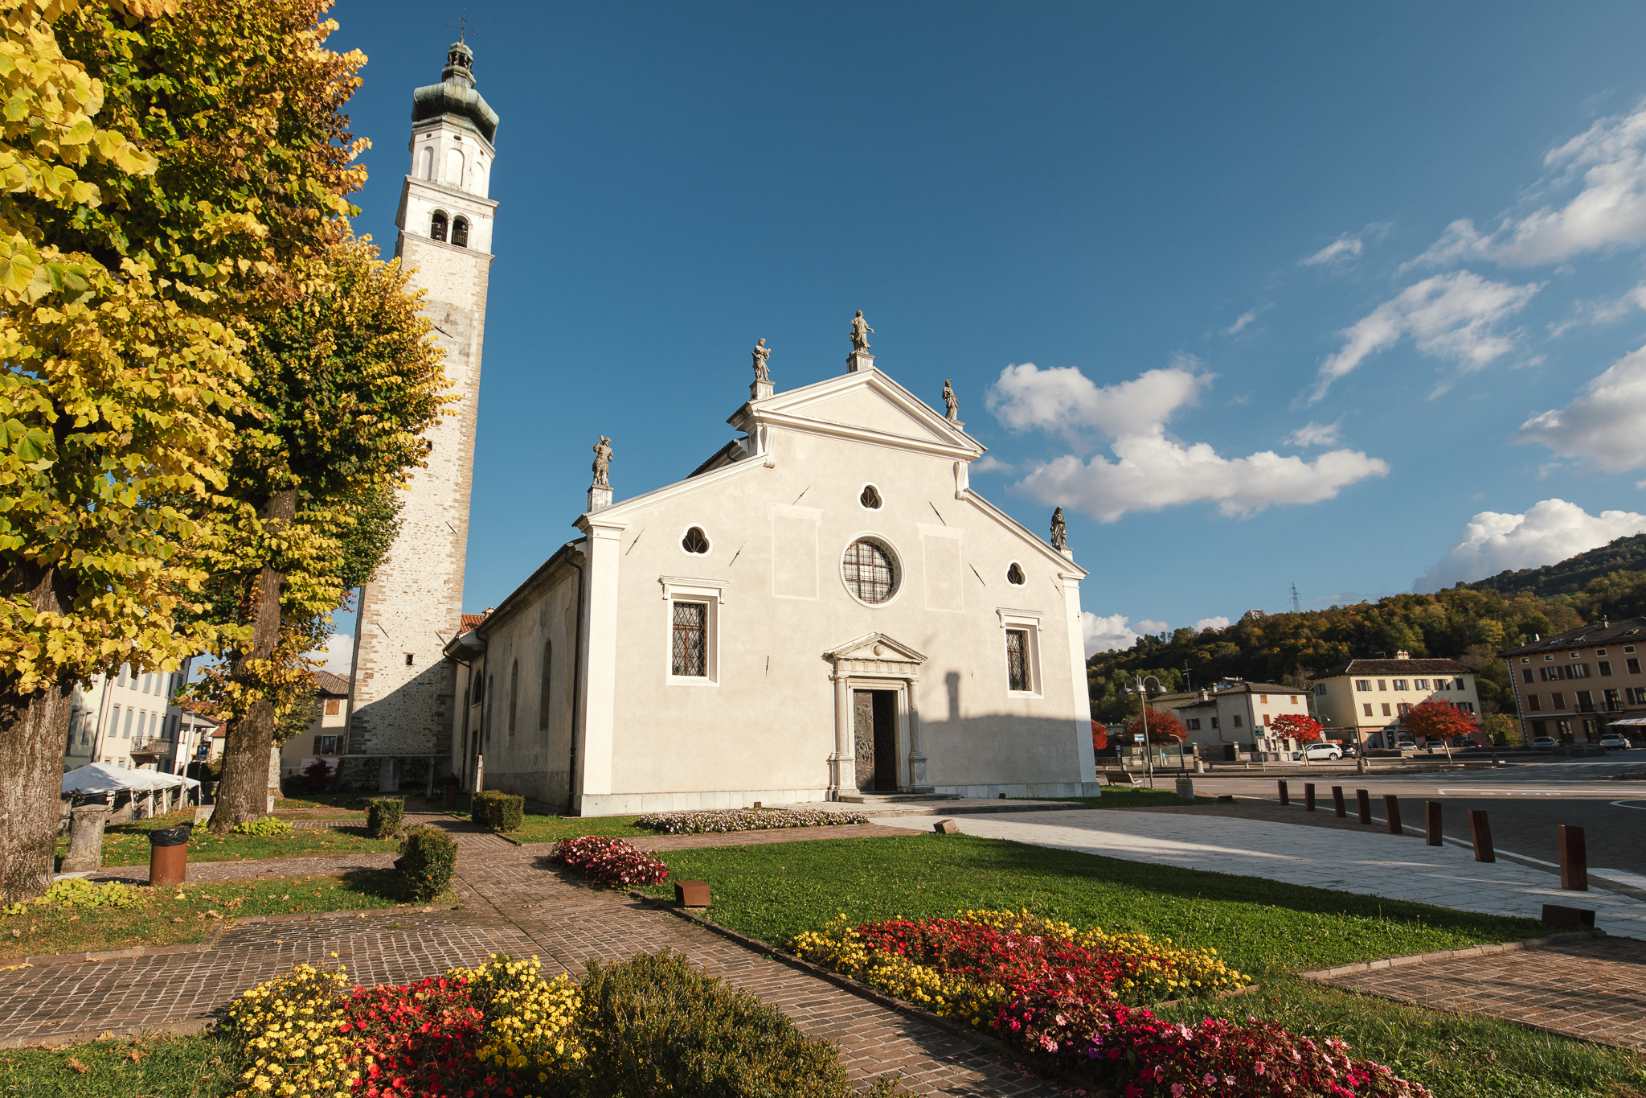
[
  {"x": 437, "y": 225},
  {"x": 460, "y": 232},
  {"x": 514, "y": 693},
  {"x": 543, "y": 688},
  {"x": 870, "y": 571}
]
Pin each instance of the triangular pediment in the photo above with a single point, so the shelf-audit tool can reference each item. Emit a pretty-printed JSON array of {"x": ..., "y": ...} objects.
[
  {"x": 876, "y": 646},
  {"x": 869, "y": 405}
]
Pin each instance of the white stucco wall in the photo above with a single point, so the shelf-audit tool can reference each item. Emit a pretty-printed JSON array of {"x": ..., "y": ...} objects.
[{"x": 777, "y": 527}]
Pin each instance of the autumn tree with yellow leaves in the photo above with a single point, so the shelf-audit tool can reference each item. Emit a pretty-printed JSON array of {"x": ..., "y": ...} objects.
[{"x": 176, "y": 198}]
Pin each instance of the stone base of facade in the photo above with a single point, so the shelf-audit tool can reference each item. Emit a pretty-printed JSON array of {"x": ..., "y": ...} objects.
[
  {"x": 391, "y": 773},
  {"x": 623, "y": 804},
  {"x": 1021, "y": 790}
]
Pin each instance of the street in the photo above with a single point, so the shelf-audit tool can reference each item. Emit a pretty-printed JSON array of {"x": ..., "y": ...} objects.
[{"x": 1527, "y": 802}]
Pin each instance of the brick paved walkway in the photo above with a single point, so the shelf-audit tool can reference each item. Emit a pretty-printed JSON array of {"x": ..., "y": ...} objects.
[
  {"x": 1591, "y": 988},
  {"x": 512, "y": 904}
]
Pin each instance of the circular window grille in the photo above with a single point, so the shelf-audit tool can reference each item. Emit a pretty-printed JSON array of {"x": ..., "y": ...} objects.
[
  {"x": 870, "y": 497},
  {"x": 870, "y": 570},
  {"x": 695, "y": 541},
  {"x": 1014, "y": 574}
]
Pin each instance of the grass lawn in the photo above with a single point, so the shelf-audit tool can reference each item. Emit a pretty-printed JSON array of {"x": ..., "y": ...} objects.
[
  {"x": 170, "y": 1067},
  {"x": 321, "y": 805},
  {"x": 548, "y": 829},
  {"x": 774, "y": 892},
  {"x": 128, "y": 843},
  {"x": 163, "y": 919},
  {"x": 1455, "y": 1056},
  {"x": 1267, "y": 930}
]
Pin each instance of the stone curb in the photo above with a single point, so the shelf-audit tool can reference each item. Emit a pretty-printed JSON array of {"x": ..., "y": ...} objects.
[
  {"x": 184, "y": 1028},
  {"x": 1322, "y": 975}
]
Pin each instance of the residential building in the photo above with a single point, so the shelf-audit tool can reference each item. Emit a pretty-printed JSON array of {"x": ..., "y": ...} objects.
[
  {"x": 1369, "y": 698},
  {"x": 824, "y": 607},
  {"x": 1232, "y": 711},
  {"x": 1571, "y": 686},
  {"x": 323, "y": 739},
  {"x": 131, "y": 720}
]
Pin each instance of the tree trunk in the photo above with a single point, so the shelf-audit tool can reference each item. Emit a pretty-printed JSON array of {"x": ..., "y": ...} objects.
[
  {"x": 247, "y": 742},
  {"x": 33, "y": 731}
]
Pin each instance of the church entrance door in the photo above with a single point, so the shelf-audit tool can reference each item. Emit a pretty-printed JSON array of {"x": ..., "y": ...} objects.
[{"x": 874, "y": 732}]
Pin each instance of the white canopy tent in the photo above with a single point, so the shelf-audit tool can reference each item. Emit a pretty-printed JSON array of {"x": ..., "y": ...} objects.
[
  {"x": 150, "y": 790},
  {"x": 1629, "y": 722}
]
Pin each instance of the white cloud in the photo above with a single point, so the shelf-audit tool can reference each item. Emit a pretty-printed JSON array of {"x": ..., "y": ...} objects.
[
  {"x": 1550, "y": 530},
  {"x": 1603, "y": 173},
  {"x": 1063, "y": 400},
  {"x": 1218, "y": 622},
  {"x": 1150, "y": 470},
  {"x": 1610, "y": 311},
  {"x": 1105, "y": 633},
  {"x": 1315, "y": 434},
  {"x": 988, "y": 463},
  {"x": 338, "y": 654},
  {"x": 1241, "y": 322},
  {"x": 1604, "y": 425},
  {"x": 1152, "y": 625},
  {"x": 1455, "y": 316},
  {"x": 1345, "y": 249}
]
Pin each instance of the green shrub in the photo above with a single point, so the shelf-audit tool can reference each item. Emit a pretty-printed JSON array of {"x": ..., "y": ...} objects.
[
  {"x": 427, "y": 858},
  {"x": 385, "y": 816},
  {"x": 499, "y": 811},
  {"x": 656, "y": 1025}
]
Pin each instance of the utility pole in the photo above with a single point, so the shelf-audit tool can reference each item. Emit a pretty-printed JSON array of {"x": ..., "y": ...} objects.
[{"x": 1297, "y": 603}]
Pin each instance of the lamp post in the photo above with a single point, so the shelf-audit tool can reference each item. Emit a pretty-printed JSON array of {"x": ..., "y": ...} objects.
[{"x": 1142, "y": 690}]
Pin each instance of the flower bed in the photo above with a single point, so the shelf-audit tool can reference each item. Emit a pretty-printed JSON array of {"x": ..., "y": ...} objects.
[
  {"x": 500, "y": 1028},
  {"x": 609, "y": 861},
  {"x": 1062, "y": 995},
  {"x": 744, "y": 819}
]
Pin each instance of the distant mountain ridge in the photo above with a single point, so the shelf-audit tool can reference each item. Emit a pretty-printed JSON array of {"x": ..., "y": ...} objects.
[{"x": 1471, "y": 622}]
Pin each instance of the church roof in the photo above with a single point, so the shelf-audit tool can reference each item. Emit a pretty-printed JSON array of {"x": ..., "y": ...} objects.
[{"x": 455, "y": 96}]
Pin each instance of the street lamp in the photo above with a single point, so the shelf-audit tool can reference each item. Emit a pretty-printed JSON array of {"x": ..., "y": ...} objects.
[{"x": 1142, "y": 691}]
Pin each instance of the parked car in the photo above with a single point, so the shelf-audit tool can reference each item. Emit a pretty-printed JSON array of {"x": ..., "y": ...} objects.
[
  {"x": 1403, "y": 742},
  {"x": 1325, "y": 750},
  {"x": 1616, "y": 740},
  {"x": 1349, "y": 749},
  {"x": 1544, "y": 743}
]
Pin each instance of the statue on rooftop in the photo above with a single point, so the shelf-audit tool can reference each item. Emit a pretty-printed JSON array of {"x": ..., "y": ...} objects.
[
  {"x": 1060, "y": 531},
  {"x": 860, "y": 333},
  {"x": 951, "y": 404},
  {"x": 761, "y": 354},
  {"x": 603, "y": 462}
]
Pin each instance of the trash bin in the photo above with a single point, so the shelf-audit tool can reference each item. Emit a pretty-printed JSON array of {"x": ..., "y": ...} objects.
[{"x": 169, "y": 855}]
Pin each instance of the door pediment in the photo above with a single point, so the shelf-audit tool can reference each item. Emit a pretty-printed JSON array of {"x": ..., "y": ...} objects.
[{"x": 877, "y": 652}]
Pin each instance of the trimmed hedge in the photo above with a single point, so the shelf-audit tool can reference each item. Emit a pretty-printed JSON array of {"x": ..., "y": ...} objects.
[
  {"x": 656, "y": 1025},
  {"x": 385, "y": 816},
  {"x": 428, "y": 856},
  {"x": 499, "y": 811}
]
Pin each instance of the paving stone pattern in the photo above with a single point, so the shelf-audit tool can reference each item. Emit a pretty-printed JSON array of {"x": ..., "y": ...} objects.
[
  {"x": 1590, "y": 988},
  {"x": 513, "y": 902}
]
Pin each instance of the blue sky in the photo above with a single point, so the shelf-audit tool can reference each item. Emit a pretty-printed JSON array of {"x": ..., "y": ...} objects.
[{"x": 1293, "y": 293}]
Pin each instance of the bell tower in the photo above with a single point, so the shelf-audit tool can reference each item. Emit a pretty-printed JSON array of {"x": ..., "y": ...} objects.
[{"x": 401, "y": 689}]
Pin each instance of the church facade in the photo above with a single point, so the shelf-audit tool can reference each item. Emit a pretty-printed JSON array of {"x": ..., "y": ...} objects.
[{"x": 823, "y": 608}]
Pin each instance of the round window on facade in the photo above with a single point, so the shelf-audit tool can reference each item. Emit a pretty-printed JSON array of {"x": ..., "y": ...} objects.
[
  {"x": 870, "y": 571},
  {"x": 870, "y": 497},
  {"x": 695, "y": 541},
  {"x": 1014, "y": 574}
]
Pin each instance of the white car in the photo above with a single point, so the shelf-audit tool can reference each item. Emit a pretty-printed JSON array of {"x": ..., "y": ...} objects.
[
  {"x": 1316, "y": 751},
  {"x": 1616, "y": 740}
]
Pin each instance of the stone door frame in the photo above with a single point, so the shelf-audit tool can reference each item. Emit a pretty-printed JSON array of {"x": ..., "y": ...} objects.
[{"x": 876, "y": 662}]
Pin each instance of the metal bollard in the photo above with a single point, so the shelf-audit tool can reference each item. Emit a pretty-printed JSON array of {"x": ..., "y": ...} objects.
[
  {"x": 1338, "y": 807},
  {"x": 1363, "y": 806},
  {"x": 1285, "y": 796},
  {"x": 1308, "y": 796},
  {"x": 1391, "y": 811},
  {"x": 1574, "y": 859},
  {"x": 1481, "y": 828},
  {"x": 1432, "y": 832}
]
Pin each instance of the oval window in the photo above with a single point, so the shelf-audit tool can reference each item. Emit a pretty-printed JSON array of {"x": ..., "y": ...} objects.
[
  {"x": 870, "y": 570},
  {"x": 1014, "y": 574},
  {"x": 870, "y": 497},
  {"x": 695, "y": 541}
]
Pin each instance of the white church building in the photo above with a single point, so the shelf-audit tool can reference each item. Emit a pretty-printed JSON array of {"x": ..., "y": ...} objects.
[{"x": 823, "y": 608}]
